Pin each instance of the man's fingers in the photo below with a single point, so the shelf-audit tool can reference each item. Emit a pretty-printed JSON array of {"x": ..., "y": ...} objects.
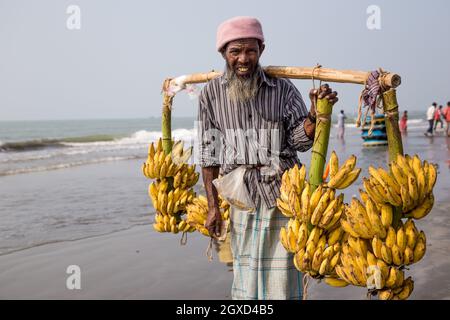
[
  {"x": 333, "y": 101},
  {"x": 324, "y": 92},
  {"x": 331, "y": 95}
]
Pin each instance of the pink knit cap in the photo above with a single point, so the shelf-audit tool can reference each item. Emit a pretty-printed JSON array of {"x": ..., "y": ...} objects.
[{"x": 238, "y": 28}]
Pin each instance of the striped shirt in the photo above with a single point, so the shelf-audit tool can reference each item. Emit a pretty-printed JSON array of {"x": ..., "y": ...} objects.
[{"x": 264, "y": 134}]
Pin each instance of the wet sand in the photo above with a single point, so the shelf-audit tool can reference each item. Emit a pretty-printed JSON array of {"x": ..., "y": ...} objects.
[{"x": 141, "y": 264}]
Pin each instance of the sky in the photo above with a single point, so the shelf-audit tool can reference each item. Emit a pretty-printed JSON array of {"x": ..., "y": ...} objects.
[{"x": 114, "y": 64}]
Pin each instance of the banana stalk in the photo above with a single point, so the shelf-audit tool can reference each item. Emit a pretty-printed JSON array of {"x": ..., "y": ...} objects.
[
  {"x": 320, "y": 146},
  {"x": 166, "y": 125},
  {"x": 394, "y": 137}
]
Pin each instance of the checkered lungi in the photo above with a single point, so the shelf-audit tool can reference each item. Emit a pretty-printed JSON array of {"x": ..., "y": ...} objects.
[{"x": 262, "y": 268}]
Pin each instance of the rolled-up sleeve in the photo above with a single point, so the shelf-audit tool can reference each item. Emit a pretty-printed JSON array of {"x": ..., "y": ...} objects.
[
  {"x": 295, "y": 114},
  {"x": 208, "y": 134}
]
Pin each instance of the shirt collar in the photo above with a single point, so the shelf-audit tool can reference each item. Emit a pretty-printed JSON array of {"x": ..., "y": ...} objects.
[{"x": 262, "y": 74}]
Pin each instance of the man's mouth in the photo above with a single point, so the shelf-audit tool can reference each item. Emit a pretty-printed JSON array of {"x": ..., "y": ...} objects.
[{"x": 242, "y": 69}]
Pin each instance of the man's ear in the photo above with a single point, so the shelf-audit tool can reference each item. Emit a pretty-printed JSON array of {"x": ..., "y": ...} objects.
[{"x": 261, "y": 50}]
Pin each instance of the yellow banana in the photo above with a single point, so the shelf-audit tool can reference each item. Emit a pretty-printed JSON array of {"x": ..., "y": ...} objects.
[
  {"x": 351, "y": 177},
  {"x": 420, "y": 248},
  {"x": 397, "y": 255},
  {"x": 335, "y": 282},
  {"x": 315, "y": 198},
  {"x": 416, "y": 165},
  {"x": 401, "y": 239},
  {"x": 342, "y": 173},
  {"x": 411, "y": 233},
  {"x": 348, "y": 227},
  {"x": 323, "y": 268},
  {"x": 376, "y": 247},
  {"x": 422, "y": 210},
  {"x": 335, "y": 236},
  {"x": 321, "y": 206},
  {"x": 387, "y": 214},
  {"x": 375, "y": 219},
  {"x": 371, "y": 259},
  {"x": 373, "y": 192},
  {"x": 388, "y": 179},
  {"x": 334, "y": 260},
  {"x": 385, "y": 294},
  {"x": 413, "y": 190},
  {"x": 398, "y": 173},
  {"x": 386, "y": 253},
  {"x": 391, "y": 237},
  {"x": 408, "y": 256},
  {"x": 334, "y": 164},
  {"x": 305, "y": 203},
  {"x": 432, "y": 176},
  {"x": 392, "y": 279},
  {"x": 329, "y": 212}
]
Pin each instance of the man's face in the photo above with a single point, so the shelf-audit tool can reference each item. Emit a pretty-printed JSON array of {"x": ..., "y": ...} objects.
[{"x": 242, "y": 56}]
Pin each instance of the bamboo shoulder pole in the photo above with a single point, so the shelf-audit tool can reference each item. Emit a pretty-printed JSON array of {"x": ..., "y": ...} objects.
[{"x": 389, "y": 80}]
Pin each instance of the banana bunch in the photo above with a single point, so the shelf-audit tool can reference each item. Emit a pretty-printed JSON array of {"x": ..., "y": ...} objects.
[
  {"x": 409, "y": 186},
  {"x": 292, "y": 185},
  {"x": 322, "y": 208},
  {"x": 343, "y": 176},
  {"x": 169, "y": 202},
  {"x": 159, "y": 165},
  {"x": 197, "y": 213},
  {"x": 367, "y": 220},
  {"x": 403, "y": 246},
  {"x": 164, "y": 223},
  {"x": 316, "y": 252},
  {"x": 319, "y": 257},
  {"x": 358, "y": 263},
  {"x": 401, "y": 293}
]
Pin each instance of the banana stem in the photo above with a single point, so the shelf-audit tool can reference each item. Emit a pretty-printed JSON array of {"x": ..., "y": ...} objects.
[
  {"x": 394, "y": 136},
  {"x": 320, "y": 146},
  {"x": 166, "y": 126}
]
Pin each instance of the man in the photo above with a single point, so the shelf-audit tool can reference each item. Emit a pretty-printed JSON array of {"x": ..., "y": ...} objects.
[
  {"x": 247, "y": 118},
  {"x": 438, "y": 117},
  {"x": 341, "y": 125},
  {"x": 430, "y": 118},
  {"x": 404, "y": 122},
  {"x": 447, "y": 117}
]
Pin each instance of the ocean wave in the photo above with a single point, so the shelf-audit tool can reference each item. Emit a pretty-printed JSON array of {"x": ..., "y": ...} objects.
[
  {"x": 64, "y": 165},
  {"x": 39, "y": 149},
  {"x": 51, "y": 143}
]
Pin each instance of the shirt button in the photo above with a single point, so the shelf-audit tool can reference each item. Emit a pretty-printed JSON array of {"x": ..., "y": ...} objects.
[{"x": 250, "y": 116}]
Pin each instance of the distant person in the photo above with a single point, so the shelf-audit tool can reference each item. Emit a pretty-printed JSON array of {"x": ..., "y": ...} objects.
[
  {"x": 438, "y": 118},
  {"x": 404, "y": 121},
  {"x": 430, "y": 118},
  {"x": 446, "y": 114},
  {"x": 341, "y": 125}
]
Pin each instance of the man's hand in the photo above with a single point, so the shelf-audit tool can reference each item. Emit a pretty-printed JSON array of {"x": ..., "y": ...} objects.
[
  {"x": 323, "y": 92},
  {"x": 214, "y": 222}
]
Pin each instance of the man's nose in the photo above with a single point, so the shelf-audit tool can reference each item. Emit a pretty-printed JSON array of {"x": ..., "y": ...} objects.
[{"x": 243, "y": 58}]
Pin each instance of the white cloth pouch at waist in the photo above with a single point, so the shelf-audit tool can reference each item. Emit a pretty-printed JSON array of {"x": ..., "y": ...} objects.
[{"x": 232, "y": 188}]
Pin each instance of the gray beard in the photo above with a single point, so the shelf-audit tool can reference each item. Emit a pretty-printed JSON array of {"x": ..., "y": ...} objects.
[{"x": 242, "y": 89}]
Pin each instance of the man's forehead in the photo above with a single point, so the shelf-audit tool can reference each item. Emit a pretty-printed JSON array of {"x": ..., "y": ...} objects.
[{"x": 243, "y": 42}]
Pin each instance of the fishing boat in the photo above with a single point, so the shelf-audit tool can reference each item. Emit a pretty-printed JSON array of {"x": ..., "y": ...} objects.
[{"x": 378, "y": 136}]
